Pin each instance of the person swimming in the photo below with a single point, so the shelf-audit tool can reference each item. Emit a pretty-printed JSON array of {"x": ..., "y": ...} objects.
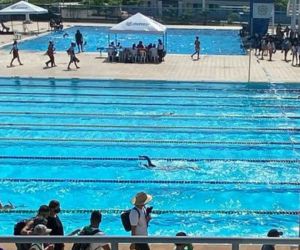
[
  {"x": 149, "y": 163},
  {"x": 7, "y": 206},
  {"x": 65, "y": 35},
  {"x": 168, "y": 166}
]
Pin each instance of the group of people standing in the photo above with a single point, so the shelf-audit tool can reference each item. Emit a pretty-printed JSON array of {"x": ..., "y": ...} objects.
[{"x": 285, "y": 40}]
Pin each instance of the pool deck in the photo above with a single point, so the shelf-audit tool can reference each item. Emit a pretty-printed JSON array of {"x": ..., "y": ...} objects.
[
  {"x": 171, "y": 247},
  {"x": 175, "y": 67}
]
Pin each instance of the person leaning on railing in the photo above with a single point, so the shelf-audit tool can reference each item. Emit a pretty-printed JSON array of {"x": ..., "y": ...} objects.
[{"x": 272, "y": 233}]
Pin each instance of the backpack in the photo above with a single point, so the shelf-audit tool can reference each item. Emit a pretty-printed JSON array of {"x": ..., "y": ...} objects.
[
  {"x": 84, "y": 231},
  {"x": 125, "y": 219}
]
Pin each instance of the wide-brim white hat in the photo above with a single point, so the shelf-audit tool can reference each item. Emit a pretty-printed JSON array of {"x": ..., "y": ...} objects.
[{"x": 141, "y": 199}]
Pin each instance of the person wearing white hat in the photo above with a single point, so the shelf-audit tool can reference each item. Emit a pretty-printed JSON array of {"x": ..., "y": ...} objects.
[
  {"x": 139, "y": 218},
  {"x": 41, "y": 229}
]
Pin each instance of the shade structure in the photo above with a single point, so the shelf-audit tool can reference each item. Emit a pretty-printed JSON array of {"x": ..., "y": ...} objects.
[
  {"x": 139, "y": 23},
  {"x": 22, "y": 8}
]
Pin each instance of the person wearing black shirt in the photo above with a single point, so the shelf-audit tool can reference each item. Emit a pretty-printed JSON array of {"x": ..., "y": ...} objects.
[
  {"x": 271, "y": 233},
  {"x": 54, "y": 223},
  {"x": 79, "y": 40}
]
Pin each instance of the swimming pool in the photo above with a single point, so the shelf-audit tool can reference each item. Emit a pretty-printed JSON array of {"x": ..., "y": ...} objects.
[
  {"x": 179, "y": 41},
  {"x": 227, "y": 154}
]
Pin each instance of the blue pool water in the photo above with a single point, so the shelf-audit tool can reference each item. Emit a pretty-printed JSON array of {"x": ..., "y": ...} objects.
[
  {"x": 179, "y": 41},
  {"x": 227, "y": 155}
]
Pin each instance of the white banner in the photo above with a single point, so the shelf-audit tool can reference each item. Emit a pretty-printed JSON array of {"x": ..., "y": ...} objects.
[{"x": 263, "y": 10}]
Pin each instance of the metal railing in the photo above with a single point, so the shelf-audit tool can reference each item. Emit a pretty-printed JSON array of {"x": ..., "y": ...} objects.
[{"x": 116, "y": 240}]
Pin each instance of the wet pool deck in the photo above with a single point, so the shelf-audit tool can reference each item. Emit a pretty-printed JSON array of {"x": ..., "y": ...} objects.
[{"x": 175, "y": 67}]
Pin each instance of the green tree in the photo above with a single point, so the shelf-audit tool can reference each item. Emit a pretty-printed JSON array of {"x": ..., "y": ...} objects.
[
  {"x": 281, "y": 4},
  {"x": 115, "y": 2}
]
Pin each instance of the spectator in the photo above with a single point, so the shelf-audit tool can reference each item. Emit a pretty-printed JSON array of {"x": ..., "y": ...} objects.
[
  {"x": 183, "y": 246},
  {"x": 271, "y": 233},
  {"x": 79, "y": 41},
  {"x": 139, "y": 218},
  {"x": 40, "y": 218},
  {"x": 92, "y": 229},
  {"x": 54, "y": 223},
  {"x": 271, "y": 48},
  {"x": 41, "y": 229},
  {"x": 263, "y": 47},
  {"x": 15, "y": 51},
  {"x": 286, "y": 46},
  {"x": 160, "y": 50},
  {"x": 278, "y": 30},
  {"x": 294, "y": 54}
]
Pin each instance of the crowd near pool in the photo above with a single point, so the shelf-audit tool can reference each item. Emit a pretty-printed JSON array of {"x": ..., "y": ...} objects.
[
  {"x": 178, "y": 41},
  {"x": 226, "y": 154}
]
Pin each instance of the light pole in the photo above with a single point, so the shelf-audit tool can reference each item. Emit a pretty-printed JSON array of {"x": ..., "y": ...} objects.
[
  {"x": 27, "y": 18},
  {"x": 251, "y": 36}
]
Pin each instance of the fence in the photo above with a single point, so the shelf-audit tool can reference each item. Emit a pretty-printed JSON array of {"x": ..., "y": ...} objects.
[
  {"x": 164, "y": 14},
  {"x": 116, "y": 240},
  {"x": 168, "y": 15}
]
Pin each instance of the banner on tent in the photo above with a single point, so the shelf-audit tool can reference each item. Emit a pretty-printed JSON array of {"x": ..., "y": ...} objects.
[{"x": 263, "y": 10}]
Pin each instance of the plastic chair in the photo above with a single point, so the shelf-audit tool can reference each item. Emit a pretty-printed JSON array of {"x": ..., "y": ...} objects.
[
  {"x": 143, "y": 56},
  {"x": 154, "y": 55},
  {"x": 111, "y": 54},
  {"x": 133, "y": 54}
]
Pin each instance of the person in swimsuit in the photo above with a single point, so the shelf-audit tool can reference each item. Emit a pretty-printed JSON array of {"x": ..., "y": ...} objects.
[
  {"x": 15, "y": 52},
  {"x": 197, "y": 48},
  {"x": 73, "y": 58},
  {"x": 149, "y": 163},
  {"x": 7, "y": 206},
  {"x": 50, "y": 53}
]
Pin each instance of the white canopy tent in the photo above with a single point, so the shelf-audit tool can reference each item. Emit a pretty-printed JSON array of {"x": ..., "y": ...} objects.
[
  {"x": 140, "y": 23},
  {"x": 23, "y": 8}
]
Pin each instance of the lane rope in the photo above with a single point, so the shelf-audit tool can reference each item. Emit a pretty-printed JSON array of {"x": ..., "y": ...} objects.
[
  {"x": 191, "y": 182},
  {"x": 175, "y": 87},
  {"x": 136, "y": 141},
  {"x": 143, "y": 104},
  {"x": 151, "y": 116},
  {"x": 262, "y": 98},
  {"x": 87, "y": 158},
  {"x": 110, "y": 126},
  {"x": 183, "y": 212}
]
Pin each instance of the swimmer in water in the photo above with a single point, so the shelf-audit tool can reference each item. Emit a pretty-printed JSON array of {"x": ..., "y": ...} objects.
[
  {"x": 7, "y": 206},
  {"x": 65, "y": 35},
  {"x": 149, "y": 163}
]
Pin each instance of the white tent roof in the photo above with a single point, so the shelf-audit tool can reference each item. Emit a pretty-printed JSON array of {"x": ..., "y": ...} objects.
[
  {"x": 139, "y": 23},
  {"x": 22, "y": 8}
]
